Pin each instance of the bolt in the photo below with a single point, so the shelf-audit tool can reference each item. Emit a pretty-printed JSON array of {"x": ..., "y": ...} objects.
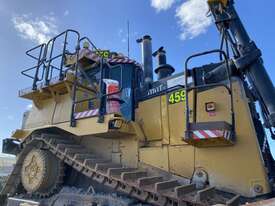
[{"x": 258, "y": 188}]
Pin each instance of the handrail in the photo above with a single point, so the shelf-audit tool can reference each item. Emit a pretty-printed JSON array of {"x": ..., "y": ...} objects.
[
  {"x": 73, "y": 121},
  {"x": 43, "y": 61},
  {"x": 229, "y": 89},
  {"x": 47, "y": 55},
  {"x": 210, "y": 86},
  {"x": 52, "y": 69},
  {"x": 50, "y": 45},
  {"x": 38, "y": 65},
  {"x": 99, "y": 96},
  {"x": 86, "y": 38},
  {"x": 104, "y": 95},
  {"x": 34, "y": 48},
  {"x": 26, "y": 70}
]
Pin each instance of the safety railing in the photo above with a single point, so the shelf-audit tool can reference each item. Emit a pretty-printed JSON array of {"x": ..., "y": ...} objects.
[
  {"x": 50, "y": 57},
  {"x": 227, "y": 86},
  {"x": 47, "y": 70},
  {"x": 36, "y": 72},
  {"x": 100, "y": 96},
  {"x": 88, "y": 40}
]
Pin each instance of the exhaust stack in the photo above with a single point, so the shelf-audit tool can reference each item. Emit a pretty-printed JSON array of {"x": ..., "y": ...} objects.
[
  {"x": 163, "y": 70},
  {"x": 147, "y": 60}
]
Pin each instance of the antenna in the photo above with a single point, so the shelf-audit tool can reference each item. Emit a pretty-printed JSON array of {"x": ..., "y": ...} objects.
[{"x": 128, "y": 36}]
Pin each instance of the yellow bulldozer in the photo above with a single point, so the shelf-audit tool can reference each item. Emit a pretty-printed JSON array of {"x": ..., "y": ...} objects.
[{"x": 101, "y": 131}]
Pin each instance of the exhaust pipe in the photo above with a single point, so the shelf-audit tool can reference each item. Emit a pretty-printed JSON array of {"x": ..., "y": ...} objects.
[
  {"x": 147, "y": 60},
  {"x": 163, "y": 70}
]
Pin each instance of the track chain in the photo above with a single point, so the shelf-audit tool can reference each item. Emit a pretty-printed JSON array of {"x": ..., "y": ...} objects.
[{"x": 155, "y": 190}]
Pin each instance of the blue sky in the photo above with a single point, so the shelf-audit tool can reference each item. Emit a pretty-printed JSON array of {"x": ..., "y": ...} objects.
[{"x": 178, "y": 25}]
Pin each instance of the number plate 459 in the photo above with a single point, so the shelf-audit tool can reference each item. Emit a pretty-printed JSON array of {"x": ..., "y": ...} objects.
[{"x": 176, "y": 97}]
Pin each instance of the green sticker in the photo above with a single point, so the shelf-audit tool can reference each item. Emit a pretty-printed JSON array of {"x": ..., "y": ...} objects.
[
  {"x": 103, "y": 53},
  {"x": 177, "y": 97}
]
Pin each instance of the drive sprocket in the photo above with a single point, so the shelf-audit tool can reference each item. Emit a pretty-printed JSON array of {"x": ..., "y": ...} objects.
[{"x": 41, "y": 173}]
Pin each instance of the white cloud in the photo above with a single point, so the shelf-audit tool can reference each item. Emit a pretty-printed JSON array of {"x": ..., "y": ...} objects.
[
  {"x": 38, "y": 30},
  {"x": 160, "y": 5},
  {"x": 192, "y": 18}
]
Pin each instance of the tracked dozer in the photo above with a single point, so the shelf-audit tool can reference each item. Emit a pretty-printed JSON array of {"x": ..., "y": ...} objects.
[{"x": 101, "y": 131}]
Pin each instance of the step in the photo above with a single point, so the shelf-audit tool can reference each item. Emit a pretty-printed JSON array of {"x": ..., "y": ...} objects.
[
  {"x": 105, "y": 166},
  {"x": 72, "y": 151},
  {"x": 52, "y": 136},
  {"x": 144, "y": 181},
  {"x": 118, "y": 171},
  {"x": 166, "y": 185},
  {"x": 184, "y": 189},
  {"x": 91, "y": 163},
  {"x": 82, "y": 157},
  {"x": 133, "y": 176},
  {"x": 57, "y": 139},
  {"x": 63, "y": 147},
  {"x": 60, "y": 141},
  {"x": 204, "y": 194}
]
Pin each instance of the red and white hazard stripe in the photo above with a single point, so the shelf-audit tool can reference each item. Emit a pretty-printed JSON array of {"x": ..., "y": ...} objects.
[
  {"x": 210, "y": 134},
  {"x": 85, "y": 114},
  {"x": 121, "y": 60}
]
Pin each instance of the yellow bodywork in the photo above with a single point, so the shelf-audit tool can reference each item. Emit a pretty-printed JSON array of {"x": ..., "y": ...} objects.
[
  {"x": 235, "y": 168},
  {"x": 156, "y": 137}
]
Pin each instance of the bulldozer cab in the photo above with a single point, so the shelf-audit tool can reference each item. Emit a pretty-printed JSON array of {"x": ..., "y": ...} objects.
[{"x": 85, "y": 73}]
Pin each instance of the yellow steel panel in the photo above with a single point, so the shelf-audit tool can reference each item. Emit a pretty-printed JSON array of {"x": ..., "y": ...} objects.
[
  {"x": 42, "y": 116},
  {"x": 165, "y": 120},
  {"x": 21, "y": 134},
  {"x": 84, "y": 127},
  {"x": 221, "y": 98},
  {"x": 63, "y": 109},
  {"x": 234, "y": 168},
  {"x": 149, "y": 117},
  {"x": 181, "y": 160},
  {"x": 155, "y": 156},
  {"x": 177, "y": 120},
  {"x": 138, "y": 131}
]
